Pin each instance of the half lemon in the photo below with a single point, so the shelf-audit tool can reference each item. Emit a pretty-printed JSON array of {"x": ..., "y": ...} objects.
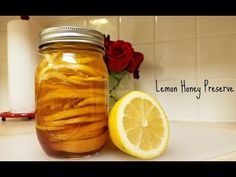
[{"x": 138, "y": 126}]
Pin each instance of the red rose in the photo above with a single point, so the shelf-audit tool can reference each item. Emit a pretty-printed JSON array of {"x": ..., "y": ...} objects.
[
  {"x": 107, "y": 41},
  {"x": 134, "y": 63},
  {"x": 24, "y": 17},
  {"x": 118, "y": 53}
]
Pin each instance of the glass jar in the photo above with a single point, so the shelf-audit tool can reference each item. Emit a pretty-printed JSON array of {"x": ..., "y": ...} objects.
[{"x": 71, "y": 84}]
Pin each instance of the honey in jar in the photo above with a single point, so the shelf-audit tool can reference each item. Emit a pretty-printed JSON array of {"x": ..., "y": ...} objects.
[{"x": 71, "y": 92}]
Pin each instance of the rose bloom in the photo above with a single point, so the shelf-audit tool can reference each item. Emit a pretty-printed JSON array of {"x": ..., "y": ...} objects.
[
  {"x": 119, "y": 54},
  {"x": 135, "y": 62}
]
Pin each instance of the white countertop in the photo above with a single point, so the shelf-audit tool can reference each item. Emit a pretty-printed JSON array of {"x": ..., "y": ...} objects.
[{"x": 188, "y": 141}]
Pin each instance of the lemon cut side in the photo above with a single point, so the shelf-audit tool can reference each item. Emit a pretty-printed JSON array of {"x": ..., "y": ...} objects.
[{"x": 138, "y": 126}]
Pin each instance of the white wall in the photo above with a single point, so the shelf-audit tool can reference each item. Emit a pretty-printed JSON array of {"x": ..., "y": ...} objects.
[{"x": 175, "y": 48}]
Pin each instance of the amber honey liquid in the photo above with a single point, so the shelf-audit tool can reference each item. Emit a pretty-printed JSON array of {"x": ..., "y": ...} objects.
[{"x": 71, "y": 101}]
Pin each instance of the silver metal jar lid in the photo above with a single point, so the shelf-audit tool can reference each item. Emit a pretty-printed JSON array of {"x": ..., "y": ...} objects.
[{"x": 71, "y": 34}]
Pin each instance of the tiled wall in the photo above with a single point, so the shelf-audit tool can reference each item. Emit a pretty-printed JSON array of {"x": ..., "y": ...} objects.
[{"x": 175, "y": 48}]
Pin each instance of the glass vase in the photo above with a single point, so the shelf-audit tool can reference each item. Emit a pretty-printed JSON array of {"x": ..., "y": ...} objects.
[{"x": 120, "y": 83}]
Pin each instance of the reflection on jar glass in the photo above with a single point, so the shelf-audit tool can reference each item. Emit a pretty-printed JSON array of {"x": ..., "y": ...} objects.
[{"x": 71, "y": 84}]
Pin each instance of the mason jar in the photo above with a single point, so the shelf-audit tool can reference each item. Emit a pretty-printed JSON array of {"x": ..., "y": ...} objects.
[{"x": 71, "y": 92}]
